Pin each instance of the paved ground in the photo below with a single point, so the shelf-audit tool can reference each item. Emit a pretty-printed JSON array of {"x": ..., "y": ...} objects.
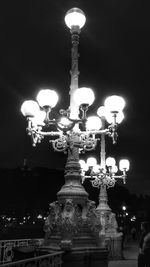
[{"x": 130, "y": 256}]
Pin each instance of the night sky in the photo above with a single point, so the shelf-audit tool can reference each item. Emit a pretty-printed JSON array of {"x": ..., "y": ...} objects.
[{"x": 114, "y": 59}]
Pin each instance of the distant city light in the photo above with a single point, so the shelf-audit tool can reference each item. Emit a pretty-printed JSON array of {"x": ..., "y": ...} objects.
[
  {"x": 39, "y": 216},
  {"x": 133, "y": 219}
]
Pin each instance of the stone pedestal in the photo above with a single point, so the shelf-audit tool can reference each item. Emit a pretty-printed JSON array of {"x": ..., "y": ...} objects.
[
  {"x": 112, "y": 239},
  {"x": 109, "y": 236},
  {"x": 114, "y": 244}
]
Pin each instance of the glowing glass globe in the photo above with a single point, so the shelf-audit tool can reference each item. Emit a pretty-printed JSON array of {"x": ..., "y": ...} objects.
[
  {"x": 75, "y": 17},
  {"x": 114, "y": 169},
  {"x": 101, "y": 112},
  {"x": 91, "y": 162},
  {"x": 110, "y": 162},
  {"x": 29, "y": 108},
  {"x": 83, "y": 165},
  {"x": 47, "y": 97},
  {"x": 96, "y": 168},
  {"x": 124, "y": 165},
  {"x": 39, "y": 118},
  {"x": 65, "y": 121},
  {"x": 114, "y": 103},
  {"x": 93, "y": 123},
  {"x": 84, "y": 95}
]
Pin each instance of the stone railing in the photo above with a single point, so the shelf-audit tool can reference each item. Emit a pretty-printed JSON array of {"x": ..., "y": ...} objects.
[
  {"x": 7, "y": 247},
  {"x": 53, "y": 259}
]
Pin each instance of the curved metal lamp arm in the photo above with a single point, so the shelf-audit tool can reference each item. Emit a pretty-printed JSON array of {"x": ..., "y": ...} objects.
[
  {"x": 123, "y": 177},
  {"x": 88, "y": 140},
  {"x": 103, "y": 178}
]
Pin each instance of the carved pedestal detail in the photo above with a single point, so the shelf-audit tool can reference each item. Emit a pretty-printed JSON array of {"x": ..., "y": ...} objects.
[
  {"x": 71, "y": 225},
  {"x": 72, "y": 221}
]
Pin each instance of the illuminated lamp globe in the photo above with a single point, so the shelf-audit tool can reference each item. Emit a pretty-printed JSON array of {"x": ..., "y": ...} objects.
[
  {"x": 124, "y": 165},
  {"x": 93, "y": 123},
  {"x": 75, "y": 17},
  {"x": 96, "y": 168},
  {"x": 47, "y": 98},
  {"x": 114, "y": 103},
  {"x": 114, "y": 169},
  {"x": 83, "y": 165},
  {"x": 39, "y": 118},
  {"x": 91, "y": 162},
  {"x": 83, "y": 96},
  {"x": 110, "y": 162},
  {"x": 65, "y": 121},
  {"x": 82, "y": 162},
  {"x": 29, "y": 108},
  {"x": 101, "y": 112},
  {"x": 110, "y": 117}
]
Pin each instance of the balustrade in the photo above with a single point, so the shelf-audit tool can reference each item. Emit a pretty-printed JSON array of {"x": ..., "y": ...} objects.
[{"x": 7, "y": 246}]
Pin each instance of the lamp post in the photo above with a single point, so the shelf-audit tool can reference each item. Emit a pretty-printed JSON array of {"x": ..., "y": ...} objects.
[
  {"x": 104, "y": 176},
  {"x": 72, "y": 220}
]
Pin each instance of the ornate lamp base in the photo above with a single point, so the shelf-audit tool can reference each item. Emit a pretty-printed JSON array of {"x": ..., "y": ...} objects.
[{"x": 72, "y": 225}]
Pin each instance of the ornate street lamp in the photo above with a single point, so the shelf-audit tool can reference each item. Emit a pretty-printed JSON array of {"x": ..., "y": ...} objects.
[
  {"x": 103, "y": 176},
  {"x": 72, "y": 220}
]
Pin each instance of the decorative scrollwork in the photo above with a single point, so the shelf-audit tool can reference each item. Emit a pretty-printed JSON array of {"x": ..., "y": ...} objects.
[
  {"x": 103, "y": 180},
  {"x": 88, "y": 143},
  {"x": 96, "y": 182},
  {"x": 60, "y": 144},
  {"x": 109, "y": 181},
  {"x": 8, "y": 254}
]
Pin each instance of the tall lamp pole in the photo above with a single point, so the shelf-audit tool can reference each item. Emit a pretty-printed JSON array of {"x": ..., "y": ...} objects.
[
  {"x": 72, "y": 221},
  {"x": 103, "y": 207}
]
